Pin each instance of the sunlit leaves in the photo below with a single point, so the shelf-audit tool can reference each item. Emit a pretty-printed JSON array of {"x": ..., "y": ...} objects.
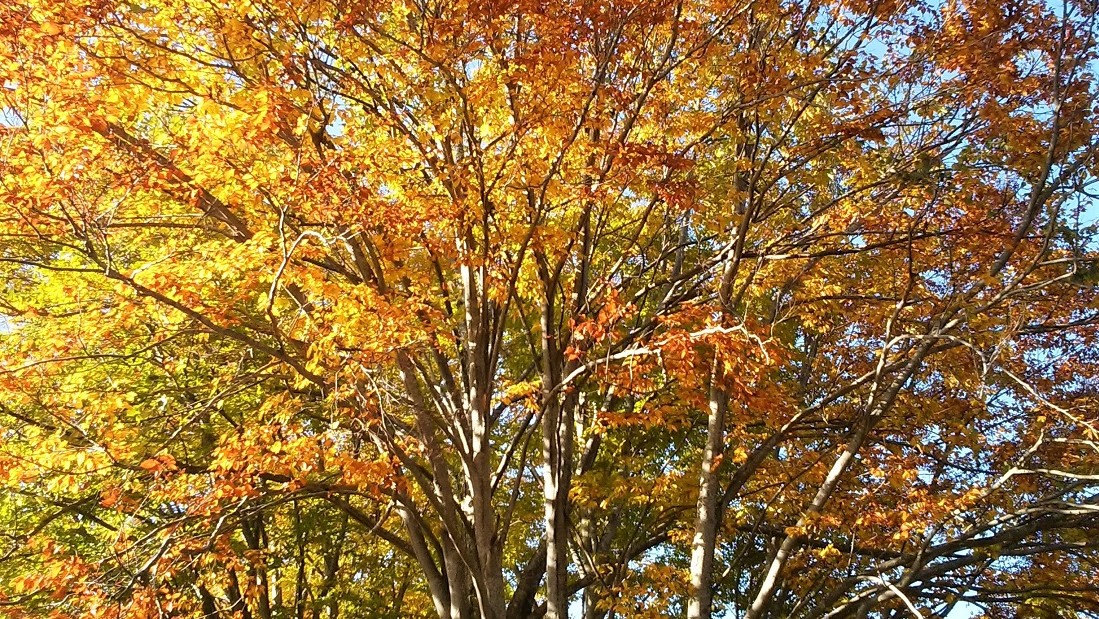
[{"x": 290, "y": 290}]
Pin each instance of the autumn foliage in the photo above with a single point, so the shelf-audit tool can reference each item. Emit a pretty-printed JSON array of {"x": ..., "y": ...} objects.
[{"x": 504, "y": 310}]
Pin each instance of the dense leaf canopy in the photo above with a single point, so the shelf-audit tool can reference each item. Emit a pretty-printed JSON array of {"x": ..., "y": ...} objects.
[{"x": 506, "y": 310}]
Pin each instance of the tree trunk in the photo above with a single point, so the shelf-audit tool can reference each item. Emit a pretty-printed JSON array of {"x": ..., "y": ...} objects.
[{"x": 700, "y": 605}]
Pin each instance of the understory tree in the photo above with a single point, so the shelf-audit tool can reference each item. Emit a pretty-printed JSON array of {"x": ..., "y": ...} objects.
[{"x": 474, "y": 309}]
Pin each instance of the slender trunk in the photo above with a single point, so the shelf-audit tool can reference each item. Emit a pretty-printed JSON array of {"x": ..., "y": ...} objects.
[
  {"x": 437, "y": 583},
  {"x": 710, "y": 495},
  {"x": 557, "y": 455},
  {"x": 490, "y": 592},
  {"x": 449, "y": 593},
  {"x": 458, "y": 580},
  {"x": 708, "y": 519},
  {"x": 557, "y": 442},
  {"x": 700, "y": 604}
]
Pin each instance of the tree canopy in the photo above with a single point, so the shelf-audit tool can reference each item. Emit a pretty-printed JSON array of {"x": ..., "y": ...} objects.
[{"x": 474, "y": 309}]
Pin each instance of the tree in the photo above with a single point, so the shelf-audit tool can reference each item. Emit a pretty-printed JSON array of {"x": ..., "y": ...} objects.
[{"x": 500, "y": 309}]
